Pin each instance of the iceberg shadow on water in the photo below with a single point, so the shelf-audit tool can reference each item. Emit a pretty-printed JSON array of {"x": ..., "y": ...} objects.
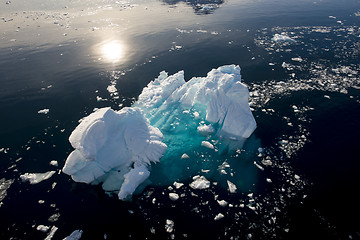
[{"x": 205, "y": 118}]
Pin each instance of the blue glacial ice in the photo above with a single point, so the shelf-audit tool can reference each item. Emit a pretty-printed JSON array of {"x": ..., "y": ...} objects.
[{"x": 171, "y": 121}]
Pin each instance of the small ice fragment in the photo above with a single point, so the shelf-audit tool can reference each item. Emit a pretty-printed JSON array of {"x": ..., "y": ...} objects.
[
  {"x": 200, "y": 182},
  {"x": 75, "y": 235},
  {"x": 44, "y": 111},
  {"x": 169, "y": 226},
  {"x": 54, "y": 163},
  {"x": 184, "y": 156},
  {"x": 298, "y": 59},
  {"x": 178, "y": 185},
  {"x": 232, "y": 187},
  {"x": 269, "y": 180},
  {"x": 332, "y": 17},
  {"x": 41, "y": 201},
  {"x": 207, "y": 144},
  {"x": 222, "y": 203},
  {"x": 219, "y": 216},
  {"x": 51, "y": 233},
  {"x": 327, "y": 96},
  {"x": 35, "y": 178},
  {"x": 173, "y": 196},
  {"x": 42, "y": 228}
]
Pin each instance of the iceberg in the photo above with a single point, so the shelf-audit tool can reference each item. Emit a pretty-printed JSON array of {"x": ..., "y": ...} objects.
[
  {"x": 114, "y": 148},
  {"x": 171, "y": 116}
]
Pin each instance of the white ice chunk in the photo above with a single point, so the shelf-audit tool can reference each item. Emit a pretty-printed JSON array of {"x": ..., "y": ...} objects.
[
  {"x": 35, "y": 178},
  {"x": 222, "y": 203},
  {"x": 54, "y": 163},
  {"x": 42, "y": 228},
  {"x": 169, "y": 226},
  {"x": 114, "y": 147},
  {"x": 178, "y": 185},
  {"x": 200, "y": 182},
  {"x": 219, "y": 216},
  {"x": 207, "y": 144},
  {"x": 173, "y": 196},
  {"x": 51, "y": 233},
  {"x": 44, "y": 111},
  {"x": 282, "y": 38},
  {"x": 232, "y": 187},
  {"x": 184, "y": 156},
  {"x": 75, "y": 235}
]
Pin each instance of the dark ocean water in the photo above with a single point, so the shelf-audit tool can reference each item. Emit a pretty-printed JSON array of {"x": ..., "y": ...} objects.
[{"x": 71, "y": 57}]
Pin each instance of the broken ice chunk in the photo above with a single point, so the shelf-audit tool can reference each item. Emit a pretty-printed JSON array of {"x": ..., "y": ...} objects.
[
  {"x": 232, "y": 187},
  {"x": 35, "y": 178},
  {"x": 173, "y": 196},
  {"x": 222, "y": 203},
  {"x": 200, "y": 182},
  {"x": 44, "y": 111},
  {"x": 184, "y": 156},
  {"x": 219, "y": 216},
  {"x": 42, "y": 228},
  {"x": 282, "y": 38},
  {"x": 207, "y": 144},
  {"x": 178, "y": 185},
  {"x": 169, "y": 226}
]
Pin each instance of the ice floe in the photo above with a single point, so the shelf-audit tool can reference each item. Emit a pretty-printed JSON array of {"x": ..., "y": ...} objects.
[{"x": 35, "y": 178}]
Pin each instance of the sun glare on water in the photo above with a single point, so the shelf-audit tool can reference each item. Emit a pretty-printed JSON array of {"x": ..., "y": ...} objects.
[{"x": 112, "y": 51}]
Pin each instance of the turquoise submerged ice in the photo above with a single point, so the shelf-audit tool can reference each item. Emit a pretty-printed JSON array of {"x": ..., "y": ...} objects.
[{"x": 172, "y": 120}]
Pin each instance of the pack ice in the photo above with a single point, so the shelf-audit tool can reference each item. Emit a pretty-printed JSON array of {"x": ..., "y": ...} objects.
[{"x": 116, "y": 148}]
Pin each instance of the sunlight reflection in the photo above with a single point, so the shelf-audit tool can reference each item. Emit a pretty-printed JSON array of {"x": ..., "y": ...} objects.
[{"x": 112, "y": 51}]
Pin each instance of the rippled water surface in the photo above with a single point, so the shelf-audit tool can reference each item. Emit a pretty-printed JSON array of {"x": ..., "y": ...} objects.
[{"x": 296, "y": 176}]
